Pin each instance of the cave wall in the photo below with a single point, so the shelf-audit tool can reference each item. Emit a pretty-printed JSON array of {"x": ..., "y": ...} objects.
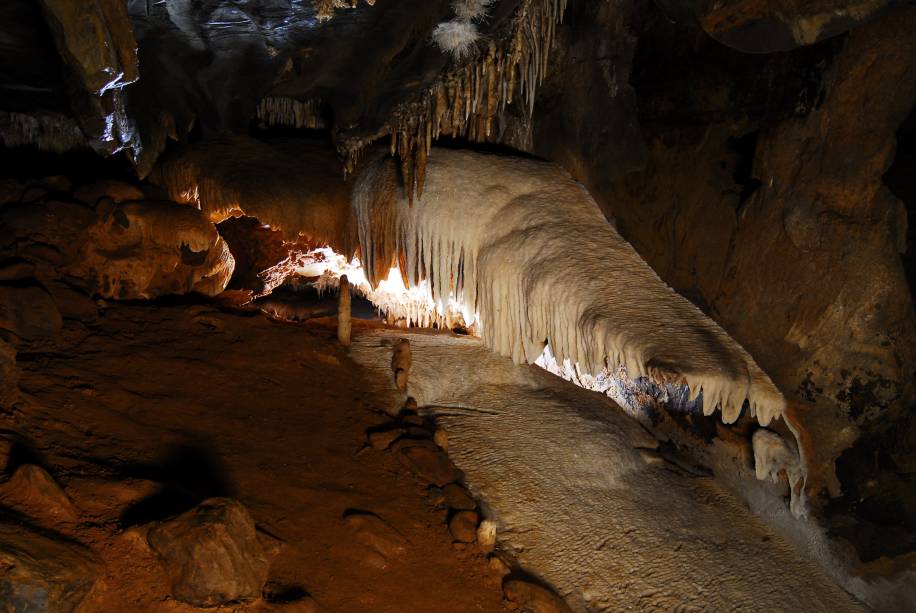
[{"x": 755, "y": 189}]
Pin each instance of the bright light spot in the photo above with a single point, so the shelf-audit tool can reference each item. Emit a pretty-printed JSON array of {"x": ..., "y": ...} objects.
[{"x": 410, "y": 306}]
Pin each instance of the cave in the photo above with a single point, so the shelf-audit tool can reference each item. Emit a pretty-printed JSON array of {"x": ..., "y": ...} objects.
[{"x": 457, "y": 305}]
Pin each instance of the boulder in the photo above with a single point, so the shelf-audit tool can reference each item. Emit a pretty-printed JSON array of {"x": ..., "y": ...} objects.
[
  {"x": 212, "y": 553},
  {"x": 41, "y": 574}
]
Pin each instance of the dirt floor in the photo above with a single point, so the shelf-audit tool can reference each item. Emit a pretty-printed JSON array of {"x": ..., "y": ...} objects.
[{"x": 151, "y": 409}]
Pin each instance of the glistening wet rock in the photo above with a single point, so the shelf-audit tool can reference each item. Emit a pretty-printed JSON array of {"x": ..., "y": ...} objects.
[{"x": 212, "y": 553}]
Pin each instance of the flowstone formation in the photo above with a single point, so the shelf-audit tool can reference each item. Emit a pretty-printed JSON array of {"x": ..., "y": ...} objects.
[{"x": 682, "y": 205}]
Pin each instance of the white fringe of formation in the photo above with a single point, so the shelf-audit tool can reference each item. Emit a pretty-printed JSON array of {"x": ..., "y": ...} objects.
[
  {"x": 529, "y": 254},
  {"x": 460, "y": 35}
]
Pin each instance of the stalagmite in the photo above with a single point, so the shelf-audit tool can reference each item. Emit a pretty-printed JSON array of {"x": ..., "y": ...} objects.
[
  {"x": 343, "y": 313},
  {"x": 772, "y": 456},
  {"x": 400, "y": 363},
  {"x": 530, "y": 257}
]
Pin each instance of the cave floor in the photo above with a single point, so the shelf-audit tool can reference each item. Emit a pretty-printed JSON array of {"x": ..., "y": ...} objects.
[
  {"x": 583, "y": 500},
  {"x": 191, "y": 402}
]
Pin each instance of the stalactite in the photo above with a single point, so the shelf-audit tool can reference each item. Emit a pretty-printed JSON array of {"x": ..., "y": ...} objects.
[
  {"x": 522, "y": 251},
  {"x": 46, "y": 131},
  {"x": 290, "y": 112},
  {"x": 324, "y": 9},
  {"x": 465, "y": 101}
]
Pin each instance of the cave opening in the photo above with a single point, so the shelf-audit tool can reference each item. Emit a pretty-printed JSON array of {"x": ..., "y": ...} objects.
[{"x": 308, "y": 305}]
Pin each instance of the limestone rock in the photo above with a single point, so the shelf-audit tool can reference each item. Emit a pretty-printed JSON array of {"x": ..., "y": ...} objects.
[
  {"x": 486, "y": 535},
  {"x": 533, "y": 598},
  {"x": 33, "y": 493},
  {"x": 427, "y": 460},
  {"x": 463, "y": 526},
  {"x": 212, "y": 553},
  {"x": 382, "y": 439},
  {"x": 40, "y": 574},
  {"x": 376, "y": 534},
  {"x": 457, "y": 498}
]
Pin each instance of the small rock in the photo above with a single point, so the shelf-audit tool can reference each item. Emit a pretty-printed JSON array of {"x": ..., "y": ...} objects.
[
  {"x": 427, "y": 461},
  {"x": 40, "y": 574},
  {"x": 412, "y": 420},
  {"x": 212, "y": 553},
  {"x": 382, "y": 439},
  {"x": 410, "y": 404},
  {"x": 417, "y": 432},
  {"x": 436, "y": 496},
  {"x": 463, "y": 526},
  {"x": 32, "y": 492},
  {"x": 376, "y": 534},
  {"x": 400, "y": 363},
  {"x": 533, "y": 598},
  {"x": 486, "y": 535},
  {"x": 498, "y": 565},
  {"x": 441, "y": 438},
  {"x": 458, "y": 498}
]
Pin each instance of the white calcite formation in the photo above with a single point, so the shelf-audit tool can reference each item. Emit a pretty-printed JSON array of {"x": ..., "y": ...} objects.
[{"x": 524, "y": 248}]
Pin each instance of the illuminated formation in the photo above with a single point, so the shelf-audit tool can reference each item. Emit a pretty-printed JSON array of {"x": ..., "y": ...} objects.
[{"x": 522, "y": 245}]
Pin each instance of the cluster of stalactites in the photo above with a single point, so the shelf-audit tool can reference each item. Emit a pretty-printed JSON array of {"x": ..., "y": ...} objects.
[
  {"x": 281, "y": 111},
  {"x": 465, "y": 101},
  {"x": 527, "y": 251},
  {"x": 47, "y": 131},
  {"x": 324, "y": 9}
]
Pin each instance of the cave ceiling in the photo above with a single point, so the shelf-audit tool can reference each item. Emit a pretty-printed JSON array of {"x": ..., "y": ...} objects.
[{"x": 132, "y": 76}]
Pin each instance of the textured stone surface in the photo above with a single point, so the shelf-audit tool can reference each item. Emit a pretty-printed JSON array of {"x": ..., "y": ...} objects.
[
  {"x": 40, "y": 574},
  {"x": 559, "y": 470},
  {"x": 34, "y": 494},
  {"x": 212, "y": 553}
]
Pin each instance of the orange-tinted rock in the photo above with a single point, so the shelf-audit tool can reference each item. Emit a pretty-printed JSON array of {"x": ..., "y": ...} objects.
[
  {"x": 533, "y": 598},
  {"x": 463, "y": 526},
  {"x": 42, "y": 574},
  {"x": 34, "y": 494},
  {"x": 458, "y": 498},
  {"x": 212, "y": 553},
  {"x": 427, "y": 461}
]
